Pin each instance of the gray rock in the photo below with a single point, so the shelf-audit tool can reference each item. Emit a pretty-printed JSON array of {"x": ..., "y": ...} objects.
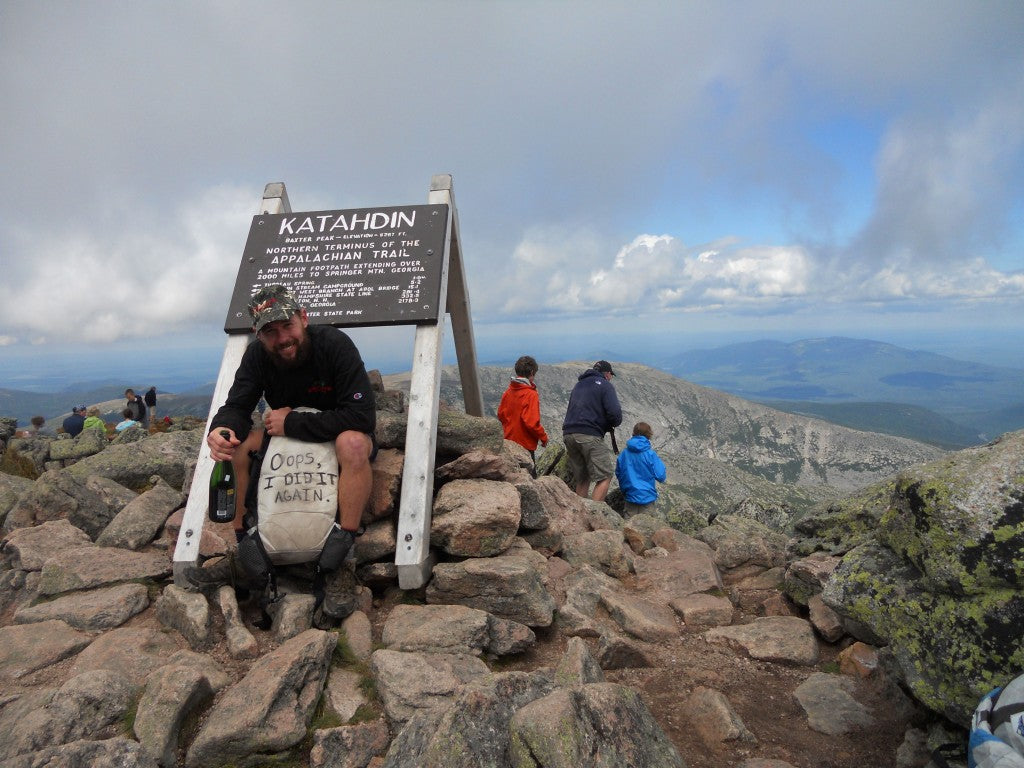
[
  {"x": 25, "y": 648},
  {"x": 377, "y": 542},
  {"x": 510, "y": 586},
  {"x": 458, "y": 434},
  {"x": 639, "y": 531},
  {"x": 292, "y": 615},
  {"x": 92, "y": 566},
  {"x": 602, "y": 549},
  {"x": 617, "y": 652},
  {"x": 577, "y": 666},
  {"x": 453, "y": 629},
  {"x": 133, "y": 653},
  {"x": 85, "y": 443},
  {"x": 358, "y": 634},
  {"x": 351, "y": 746},
  {"x": 11, "y": 488},
  {"x": 57, "y": 495},
  {"x": 268, "y": 710},
  {"x": 583, "y": 589},
  {"x": 771, "y": 638},
  {"x": 475, "y": 518},
  {"x": 411, "y": 682},
  {"x": 569, "y": 726},
  {"x": 830, "y": 707},
  {"x": 533, "y": 511},
  {"x": 118, "y": 752},
  {"x": 641, "y": 618},
  {"x": 703, "y": 610},
  {"x": 739, "y": 540},
  {"x": 92, "y": 610},
  {"x": 28, "y": 549},
  {"x": 827, "y": 622},
  {"x": 139, "y": 522},
  {"x": 343, "y": 692},
  {"x": 713, "y": 717},
  {"x": 81, "y": 708},
  {"x": 807, "y": 576},
  {"x": 482, "y": 465},
  {"x": 472, "y": 730},
  {"x": 169, "y": 455},
  {"x": 172, "y": 693},
  {"x": 186, "y": 612},
  {"x": 241, "y": 643}
]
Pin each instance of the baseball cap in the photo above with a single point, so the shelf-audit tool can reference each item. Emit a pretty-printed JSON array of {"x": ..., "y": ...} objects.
[
  {"x": 604, "y": 366},
  {"x": 78, "y": 409},
  {"x": 275, "y": 302}
]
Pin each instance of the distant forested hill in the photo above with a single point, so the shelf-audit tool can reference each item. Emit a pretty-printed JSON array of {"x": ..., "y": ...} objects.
[{"x": 981, "y": 399}]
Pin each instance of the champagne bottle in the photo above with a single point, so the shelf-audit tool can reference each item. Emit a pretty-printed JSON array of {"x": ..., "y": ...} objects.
[{"x": 222, "y": 489}]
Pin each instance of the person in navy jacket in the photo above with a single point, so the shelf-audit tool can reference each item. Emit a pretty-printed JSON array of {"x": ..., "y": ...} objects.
[{"x": 593, "y": 410}]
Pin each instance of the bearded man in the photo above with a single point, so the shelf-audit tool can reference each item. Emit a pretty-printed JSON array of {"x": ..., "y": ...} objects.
[{"x": 292, "y": 364}]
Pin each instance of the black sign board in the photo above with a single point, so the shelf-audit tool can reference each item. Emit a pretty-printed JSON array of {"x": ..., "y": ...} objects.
[{"x": 369, "y": 266}]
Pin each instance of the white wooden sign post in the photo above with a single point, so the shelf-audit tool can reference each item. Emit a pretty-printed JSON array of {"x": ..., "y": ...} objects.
[
  {"x": 412, "y": 558},
  {"x": 186, "y": 552}
]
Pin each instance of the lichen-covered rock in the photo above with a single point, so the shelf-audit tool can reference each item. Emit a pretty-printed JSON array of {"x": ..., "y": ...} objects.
[{"x": 939, "y": 576}]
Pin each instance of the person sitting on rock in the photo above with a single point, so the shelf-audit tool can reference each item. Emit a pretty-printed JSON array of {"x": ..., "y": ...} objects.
[
  {"x": 637, "y": 468},
  {"x": 127, "y": 422},
  {"x": 93, "y": 420},
  {"x": 74, "y": 423}
]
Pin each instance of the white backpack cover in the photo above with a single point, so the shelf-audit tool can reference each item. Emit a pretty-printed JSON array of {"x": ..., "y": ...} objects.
[
  {"x": 297, "y": 501},
  {"x": 997, "y": 729}
]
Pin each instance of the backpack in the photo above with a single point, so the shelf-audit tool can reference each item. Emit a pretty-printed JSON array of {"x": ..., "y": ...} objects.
[
  {"x": 291, "y": 505},
  {"x": 997, "y": 728}
]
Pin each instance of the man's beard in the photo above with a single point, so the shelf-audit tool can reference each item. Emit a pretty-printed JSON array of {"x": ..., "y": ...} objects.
[{"x": 301, "y": 354}]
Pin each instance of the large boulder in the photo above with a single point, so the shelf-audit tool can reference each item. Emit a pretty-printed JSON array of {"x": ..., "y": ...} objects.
[
  {"x": 939, "y": 577},
  {"x": 171, "y": 455}
]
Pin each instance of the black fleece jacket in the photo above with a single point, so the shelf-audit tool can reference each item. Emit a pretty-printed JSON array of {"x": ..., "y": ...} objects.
[{"x": 332, "y": 380}]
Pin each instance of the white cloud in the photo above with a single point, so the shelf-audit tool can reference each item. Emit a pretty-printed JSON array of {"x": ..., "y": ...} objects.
[{"x": 141, "y": 279}]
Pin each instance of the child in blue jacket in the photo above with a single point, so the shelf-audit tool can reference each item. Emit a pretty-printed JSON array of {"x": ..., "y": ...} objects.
[{"x": 637, "y": 469}]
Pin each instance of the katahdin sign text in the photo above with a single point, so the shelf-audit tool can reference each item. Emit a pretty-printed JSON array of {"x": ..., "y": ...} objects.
[{"x": 371, "y": 266}]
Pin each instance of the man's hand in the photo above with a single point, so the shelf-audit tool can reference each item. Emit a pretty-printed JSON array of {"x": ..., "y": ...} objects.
[
  {"x": 222, "y": 449},
  {"x": 273, "y": 420}
]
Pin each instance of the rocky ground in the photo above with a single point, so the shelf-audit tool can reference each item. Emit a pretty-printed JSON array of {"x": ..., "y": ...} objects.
[{"x": 732, "y": 671}]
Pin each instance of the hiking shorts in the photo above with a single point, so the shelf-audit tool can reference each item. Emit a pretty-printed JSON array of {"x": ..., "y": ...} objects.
[{"x": 589, "y": 458}]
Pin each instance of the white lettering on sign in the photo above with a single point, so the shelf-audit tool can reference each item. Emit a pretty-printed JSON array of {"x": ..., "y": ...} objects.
[{"x": 331, "y": 222}]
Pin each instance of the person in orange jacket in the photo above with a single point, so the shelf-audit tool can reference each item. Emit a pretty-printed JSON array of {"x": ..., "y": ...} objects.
[{"x": 519, "y": 411}]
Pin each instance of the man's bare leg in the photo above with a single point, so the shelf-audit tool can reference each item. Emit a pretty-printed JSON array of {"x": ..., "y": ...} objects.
[
  {"x": 355, "y": 478},
  {"x": 601, "y": 489},
  {"x": 583, "y": 489}
]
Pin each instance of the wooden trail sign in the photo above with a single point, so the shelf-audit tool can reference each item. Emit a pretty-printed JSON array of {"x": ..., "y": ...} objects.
[{"x": 365, "y": 267}]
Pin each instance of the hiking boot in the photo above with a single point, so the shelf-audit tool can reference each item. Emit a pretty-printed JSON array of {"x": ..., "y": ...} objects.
[
  {"x": 340, "y": 593},
  {"x": 210, "y": 577}
]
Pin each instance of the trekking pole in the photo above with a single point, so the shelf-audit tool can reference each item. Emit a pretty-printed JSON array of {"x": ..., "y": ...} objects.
[
  {"x": 615, "y": 445},
  {"x": 554, "y": 462}
]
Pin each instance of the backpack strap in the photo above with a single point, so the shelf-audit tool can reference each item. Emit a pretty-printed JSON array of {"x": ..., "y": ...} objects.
[{"x": 251, "y": 552}]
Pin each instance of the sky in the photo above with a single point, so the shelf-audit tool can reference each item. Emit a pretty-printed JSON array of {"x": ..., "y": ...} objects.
[{"x": 628, "y": 176}]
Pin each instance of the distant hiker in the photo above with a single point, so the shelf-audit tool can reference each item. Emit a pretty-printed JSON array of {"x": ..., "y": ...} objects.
[
  {"x": 150, "y": 399},
  {"x": 93, "y": 420},
  {"x": 593, "y": 410},
  {"x": 75, "y": 423},
  {"x": 38, "y": 426},
  {"x": 138, "y": 407},
  {"x": 293, "y": 364},
  {"x": 127, "y": 422},
  {"x": 637, "y": 469},
  {"x": 519, "y": 411}
]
